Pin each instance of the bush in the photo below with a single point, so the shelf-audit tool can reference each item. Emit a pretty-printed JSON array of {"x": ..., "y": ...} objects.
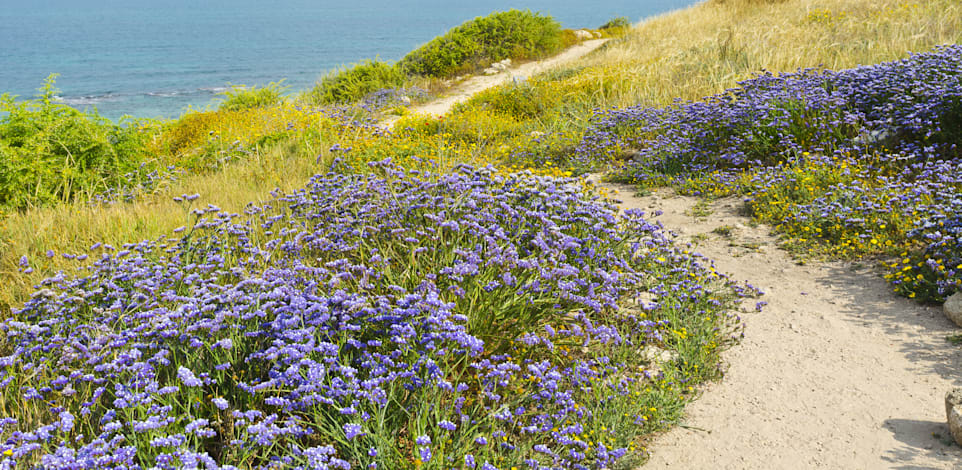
[
  {"x": 241, "y": 97},
  {"x": 522, "y": 100},
  {"x": 615, "y": 26},
  {"x": 477, "y": 43},
  {"x": 467, "y": 48},
  {"x": 51, "y": 152},
  {"x": 352, "y": 84}
]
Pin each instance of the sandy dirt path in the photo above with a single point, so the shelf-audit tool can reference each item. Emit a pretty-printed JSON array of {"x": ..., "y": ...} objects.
[
  {"x": 837, "y": 372},
  {"x": 479, "y": 83}
]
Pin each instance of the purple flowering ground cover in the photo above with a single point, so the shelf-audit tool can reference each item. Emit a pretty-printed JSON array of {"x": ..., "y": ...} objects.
[
  {"x": 397, "y": 319},
  {"x": 850, "y": 163}
]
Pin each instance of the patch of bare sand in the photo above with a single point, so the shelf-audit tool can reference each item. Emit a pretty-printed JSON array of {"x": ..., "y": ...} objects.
[
  {"x": 478, "y": 83},
  {"x": 836, "y": 372}
]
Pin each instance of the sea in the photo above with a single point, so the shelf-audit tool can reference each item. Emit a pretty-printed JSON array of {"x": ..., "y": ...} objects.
[{"x": 160, "y": 58}]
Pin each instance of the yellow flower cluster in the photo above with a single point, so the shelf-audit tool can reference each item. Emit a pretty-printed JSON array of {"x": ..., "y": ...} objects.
[
  {"x": 195, "y": 131},
  {"x": 825, "y": 16}
]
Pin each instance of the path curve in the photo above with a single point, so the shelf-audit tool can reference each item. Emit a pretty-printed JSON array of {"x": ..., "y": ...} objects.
[
  {"x": 837, "y": 372},
  {"x": 478, "y": 83}
]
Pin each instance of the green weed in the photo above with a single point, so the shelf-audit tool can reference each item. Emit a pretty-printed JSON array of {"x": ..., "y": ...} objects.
[
  {"x": 351, "y": 84},
  {"x": 50, "y": 152},
  {"x": 244, "y": 97}
]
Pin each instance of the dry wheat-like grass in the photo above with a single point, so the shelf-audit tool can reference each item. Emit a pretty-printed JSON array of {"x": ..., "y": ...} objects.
[
  {"x": 73, "y": 228},
  {"x": 707, "y": 48}
]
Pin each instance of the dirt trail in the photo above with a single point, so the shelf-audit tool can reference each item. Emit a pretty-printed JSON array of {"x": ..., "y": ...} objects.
[
  {"x": 479, "y": 83},
  {"x": 836, "y": 372}
]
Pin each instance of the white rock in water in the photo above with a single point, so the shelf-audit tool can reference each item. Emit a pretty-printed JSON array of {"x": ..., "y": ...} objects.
[
  {"x": 953, "y": 308},
  {"x": 953, "y": 413}
]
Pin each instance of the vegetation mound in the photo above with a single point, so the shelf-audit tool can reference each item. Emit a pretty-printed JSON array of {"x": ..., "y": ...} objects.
[
  {"x": 469, "y": 48},
  {"x": 857, "y": 162},
  {"x": 474, "y": 45},
  {"x": 405, "y": 321}
]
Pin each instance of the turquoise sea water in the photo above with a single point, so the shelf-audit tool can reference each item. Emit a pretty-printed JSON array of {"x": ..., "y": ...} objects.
[{"x": 153, "y": 58}]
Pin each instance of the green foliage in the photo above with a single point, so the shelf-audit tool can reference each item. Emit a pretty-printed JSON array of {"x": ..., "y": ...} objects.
[
  {"x": 467, "y": 48},
  {"x": 51, "y": 152},
  {"x": 620, "y": 22},
  {"x": 616, "y": 26},
  {"x": 477, "y": 43},
  {"x": 521, "y": 100},
  {"x": 352, "y": 84},
  {"x": 244, "y": 97}
]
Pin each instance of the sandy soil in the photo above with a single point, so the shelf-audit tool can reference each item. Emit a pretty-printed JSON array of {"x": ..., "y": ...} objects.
[
  {"x": 836, "y": 372},
  {"x": 479, "y": 83}
]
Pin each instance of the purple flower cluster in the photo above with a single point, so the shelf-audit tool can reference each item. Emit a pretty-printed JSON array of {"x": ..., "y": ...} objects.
[
  {"x": 380, "y": 99},
  {"x": 936, "y": 271},
  {"x": 912, "y": 106},
  {"x": 854, "y": 157},
  {"x": 299, "y": 333}
]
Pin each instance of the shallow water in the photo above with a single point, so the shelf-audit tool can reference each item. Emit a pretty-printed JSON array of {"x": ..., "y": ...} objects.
[{"x": 154, "y": 58}]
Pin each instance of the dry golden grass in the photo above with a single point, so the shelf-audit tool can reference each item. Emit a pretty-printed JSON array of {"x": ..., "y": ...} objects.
[
  {"x": 707, "y": 48},
  {"x": 73, "y": 228}
]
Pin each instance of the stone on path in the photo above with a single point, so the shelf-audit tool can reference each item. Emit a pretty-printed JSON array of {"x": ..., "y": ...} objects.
[
  {"x": 953, "y": 412},
  {"x": 953, "y": 308},
  {"x": 583, "y": 34}
]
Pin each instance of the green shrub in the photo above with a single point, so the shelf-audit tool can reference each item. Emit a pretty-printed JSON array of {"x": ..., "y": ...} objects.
[
  {"x": 51, "y": 152},
  {"x": 352, "y": 84},
  {"x": 521, "y": 100},
  {"x": 243, "y": 97},
  {"x": 484, "y": 40},
  {"x": 615, "y": 27},
  {"x": 466, "y": 48}
]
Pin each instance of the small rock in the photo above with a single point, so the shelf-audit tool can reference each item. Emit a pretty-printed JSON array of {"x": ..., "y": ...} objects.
[
  {"x": 405, "y": 100},
  {"x": 953, "y": 308},
  {"x": 491, "y": 71},
  {"x": 646, "y": 297},
  {"x": 658, "y": 355},
  {"x": 583, "y": 34},
  {"x": 536, "y": 134},
  {"x": 597, "y": 34},
  {"x": 953, "y": 412},
  {"x": 501, "y": 65}
]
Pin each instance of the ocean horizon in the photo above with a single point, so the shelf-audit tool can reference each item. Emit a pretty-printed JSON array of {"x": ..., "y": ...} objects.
[{"x": 157, "y": 59}]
